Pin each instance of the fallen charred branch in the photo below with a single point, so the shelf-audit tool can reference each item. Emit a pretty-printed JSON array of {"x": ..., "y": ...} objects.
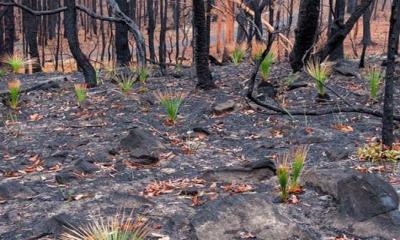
[{"x": 302, "y": 112}]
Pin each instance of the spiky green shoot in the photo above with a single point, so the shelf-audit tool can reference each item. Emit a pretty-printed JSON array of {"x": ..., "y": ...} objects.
[
  {"x": 110, "y": 73},
  {"x": 283, "y": 175},
  {"x": 14, "y": 89},
  {"x": 119, "y": 227},
  {"x": 144, "y": 74},
  {"x": 374, "y": 77},
  {"x": 80, "y": 93},
  {"x": 125, "y": 82},
  {"x": 98, "y": 77},
  {"x": 320, "y": 72},
  {"x": 283, "y": 180},
  {"x": 15, "y": 63},
  {"x": 299, "y": 157},
  {"x": 237, "y": 55},
  {"x": 171, "y": 101},
  {"x": 2, "y": 73},
  {"x": 265, "y": 66}
]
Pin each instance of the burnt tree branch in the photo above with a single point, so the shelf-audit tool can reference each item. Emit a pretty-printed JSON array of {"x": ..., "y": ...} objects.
[
  {"x": 31, "y": 11},
  {"x": 341, "y": 34}
]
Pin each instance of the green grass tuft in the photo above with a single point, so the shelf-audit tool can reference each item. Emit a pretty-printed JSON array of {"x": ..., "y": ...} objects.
[
  {"x": 14, "y": 89},
  {"x": 374, "y": 77},
  {"x": 265, "y": 66},
  {"x": 237, "y": 55},
  {"x": 171, "y": 101},
  {"x": 119, "y": 227},
  {"x": 125, "y": 82},
  {"x": 80, "y": 92},
  {"x": 320, "y": 72}
]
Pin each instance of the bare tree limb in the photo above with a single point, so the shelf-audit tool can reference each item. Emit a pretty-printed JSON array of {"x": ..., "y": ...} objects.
[
  {"x": 96, "y": 16},
  {"x": 13, "y": 3},
  {"x": 341, "y": 34}
]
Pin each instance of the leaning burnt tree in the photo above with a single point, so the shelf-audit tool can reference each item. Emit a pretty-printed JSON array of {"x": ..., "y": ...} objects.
[
  {"x": 388, "y": 112},
  {"x": 203, "y": 72},
  {"x": 71, "y": 33}
]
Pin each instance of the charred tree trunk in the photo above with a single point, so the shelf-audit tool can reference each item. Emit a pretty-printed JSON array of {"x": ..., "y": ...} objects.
[
  {"x": 203, "y": 72},
  {"x": 73, "y": 42},
  {"x": 351, "y": 6},
  {"x": 9, "y": 31},
  {"x": 338, "y": 53},
  {"x": 387, "y": 120},
  {"x": 162, "y": 48},
  {"x": 242, "y": 29},
  {"x": 150, "y": 29},
  {"x": 208, "y": 21},
  {"x": 30, "y": 24},
  {"x": 121, "y": 38},
  {"x": 367, "y": 25},
  {"x": 177, "y": 17},
  {"x": 305, "y": 33}
]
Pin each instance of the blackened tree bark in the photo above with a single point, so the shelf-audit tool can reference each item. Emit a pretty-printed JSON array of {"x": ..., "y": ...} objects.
[
  {"x": 367, "y": 25},
  {"x": 177, "y": 17},
  {"x": 338, "y": 15},
  {"x": 1, "y": 38},
  {"x": 162, "y": 47},
  {"x": 258, "y": 7},
  {"x": 150, "y": 29},
  {"x": 30, "y": 24},
  {"x": 121, "y": 37},
  {"x": 208, "y": 21},
  {"x": 307, "y": 26},
  {"x": 387, "y": 120},
  {"x": 241, "y": 35},
  {"x": 351, "y": 6},
  {"x": 9, "y": 31},
  {"x": 73, "y": 42},
  {"x": 203, "y": 72}
]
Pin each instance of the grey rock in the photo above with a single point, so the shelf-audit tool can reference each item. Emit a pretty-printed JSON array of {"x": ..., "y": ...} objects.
[
  {"x": 225, "y": 218},
  {"x": 240, "y": 174},
  {"x": 56, "y": 224},
  {"x": 142, "y": 144},
  {"x": 224, "y": 107},
  {"x": 326, "y": 180},
  {"x": 86, "y": 167},
  {"x": 65, "y": 177},
  {"x": 365, "y": 196},
  {"x": 15, "y": 190},
  {"x": 360, "y": 196},
  {"x": 386, "y": 226},
  {"x": 347, "y": 68},
  {"x": 266, "y": 90}
]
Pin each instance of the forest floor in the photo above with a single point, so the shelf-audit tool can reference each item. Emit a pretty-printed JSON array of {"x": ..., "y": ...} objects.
[{"x": 60, "y": 163}]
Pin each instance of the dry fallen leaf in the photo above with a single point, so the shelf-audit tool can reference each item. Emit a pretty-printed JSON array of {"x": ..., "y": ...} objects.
[
  {"x": 196, "y": 200},
  {"x": 293, "y": 199},
  {"x": 35, "y": 117},
  {"x": 237, "y": 188},
  {"x": 343, "y": 128}
]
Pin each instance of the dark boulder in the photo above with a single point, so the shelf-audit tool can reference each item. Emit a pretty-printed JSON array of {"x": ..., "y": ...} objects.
[
  {"x": 365, "y": 196},
  {"x": 229, "y": 217},
  {"x": 15, "y": 190},
  {"x": 142, "y": 144}
]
